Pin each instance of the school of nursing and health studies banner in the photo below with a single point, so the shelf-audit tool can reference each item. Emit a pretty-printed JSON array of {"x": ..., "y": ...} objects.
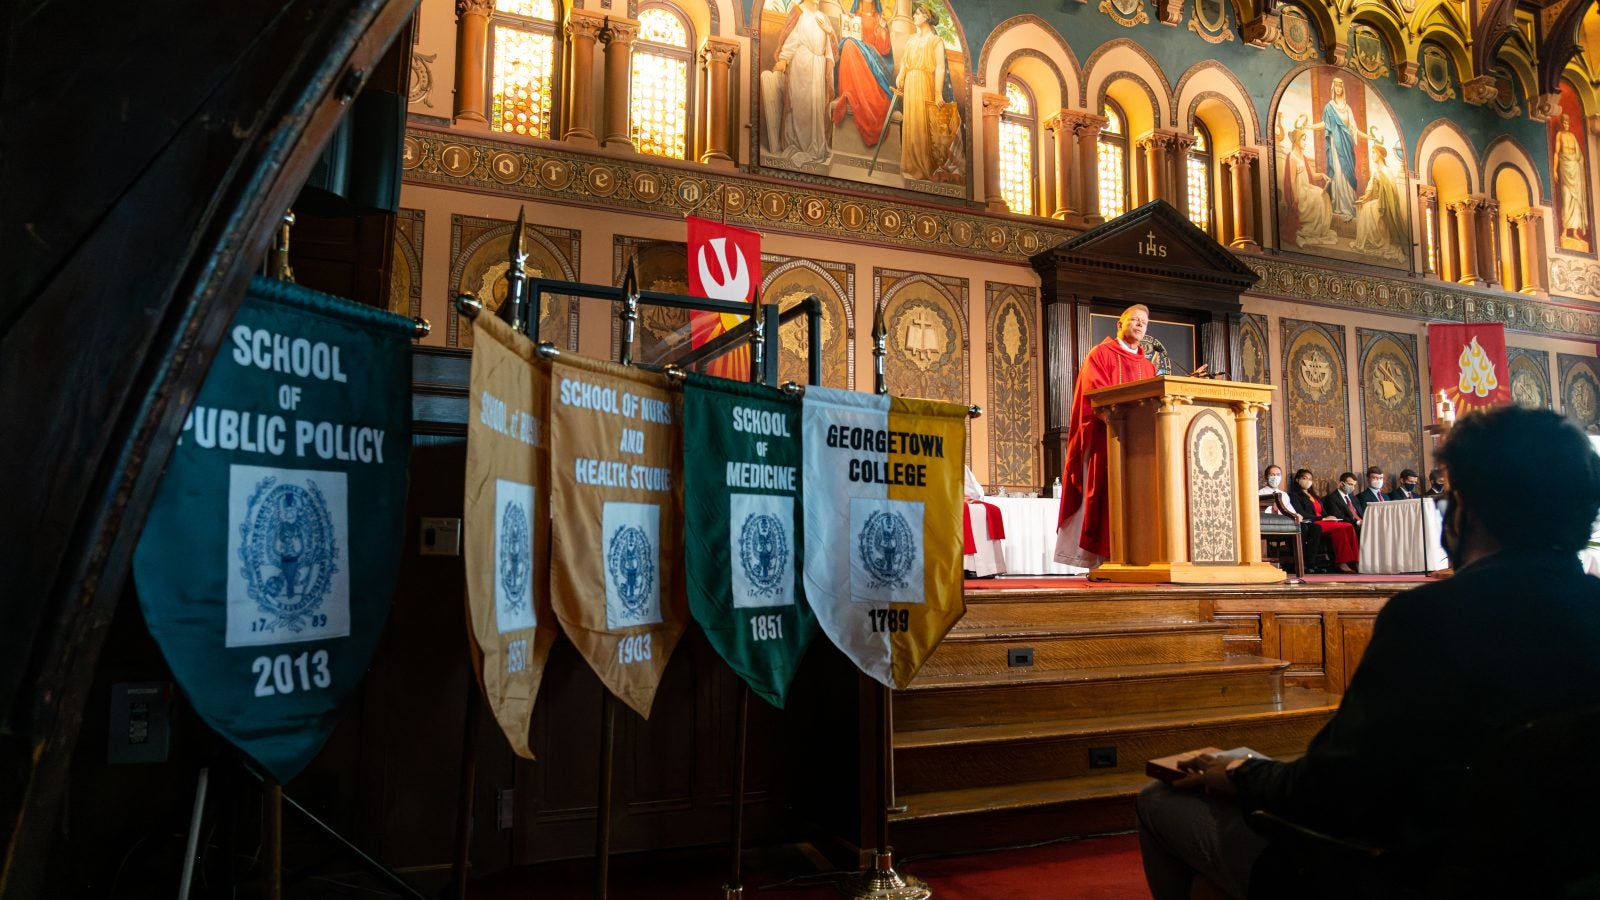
[
  {"x": 267, "y": 565},
  {"x": 883, "y": 480},
  {"x": 1468, "y": 363},
  {"x": 724, "y": 264},
  {"x": 742, "y": 540},
  {"x": 617, "y": 502},
  {"x": 510, "y": 622}
]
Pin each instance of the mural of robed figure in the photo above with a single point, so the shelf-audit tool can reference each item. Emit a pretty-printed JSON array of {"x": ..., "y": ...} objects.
[
  {"x": 1339, "y": 133},
  {"x": 805, "y": 60}
]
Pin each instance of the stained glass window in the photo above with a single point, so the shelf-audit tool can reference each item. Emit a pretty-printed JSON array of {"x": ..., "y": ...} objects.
[
  {"x": 1017, "y": 131},
  {"x": 1200, "y": 179},
  {"x": 1113, "y": 151},
  {"x": 522, "y": 67},
  {"x": 659, "y": 95}
]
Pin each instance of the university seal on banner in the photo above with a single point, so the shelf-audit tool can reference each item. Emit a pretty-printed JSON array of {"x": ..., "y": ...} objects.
[
  {"x": 288, "y": 552},
  {"x": 516, "y": 557},
  {"x": 632, "y": 566},
  {"x": 888, "y": 548},
  {"x": 764, "y": 553}
]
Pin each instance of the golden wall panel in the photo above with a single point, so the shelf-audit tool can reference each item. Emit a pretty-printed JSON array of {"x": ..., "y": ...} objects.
[
  {"x": 1255, "y": 365},
  {"x": 927, "y": 320},
  {"x": 1580, "y": 389},
  {"x": 480, "y": 255},
  {"x": 1013, "y": 363},
  {"x": 787, "y": 281},
  {"x": 661, "y": 266},
  {"x": 1212, "y": 489},
  {"x": 405, "y": 274},
  {"x": 1391, "y": 414},
  {"x": 1316, "y": 414},
  {"x": 1530, "y": 377}
]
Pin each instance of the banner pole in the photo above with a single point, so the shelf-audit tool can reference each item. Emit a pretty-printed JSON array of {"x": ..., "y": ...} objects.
[
  {"x": 272, "y": 799},
  {"x": 602, "y": 812},
  {"x": 882, "y": 882},
  {"x": 191, "y": 848},
  {"x": 734, "y": 889},
  {"x": 464, "y": 794}
]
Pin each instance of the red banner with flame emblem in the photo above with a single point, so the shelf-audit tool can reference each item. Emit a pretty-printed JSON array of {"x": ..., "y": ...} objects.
[
  {"x": 1467, "y": 364},
  {"x": 724, "y": 264}
]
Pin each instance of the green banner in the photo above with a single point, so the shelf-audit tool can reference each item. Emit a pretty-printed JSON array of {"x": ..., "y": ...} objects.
[
  {"x": 267, "y": 565},
  {"x": 742, "y": 535}
]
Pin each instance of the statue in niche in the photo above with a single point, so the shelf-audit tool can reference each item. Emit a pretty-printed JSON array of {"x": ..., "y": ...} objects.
[{"x": 1567, "y": 163}]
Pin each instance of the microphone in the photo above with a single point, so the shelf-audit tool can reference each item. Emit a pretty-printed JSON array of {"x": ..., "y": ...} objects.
[{"x": 1190, "y": 373}]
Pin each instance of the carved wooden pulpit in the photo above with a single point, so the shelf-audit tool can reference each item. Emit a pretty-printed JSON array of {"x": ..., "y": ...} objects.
[{"x": 1182, "y": 458}]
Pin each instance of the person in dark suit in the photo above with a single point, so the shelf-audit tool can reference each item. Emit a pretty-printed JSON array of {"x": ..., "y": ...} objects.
[
  {"x": 1408, "y": 488},
  {"x": 1373, "y": 492},
  {"x": 1341, "y": 501},
  {"x": 1339, "y": 537},
  {"x": 1442, "y": 680},
  {"x": 1435, "y": 484}
]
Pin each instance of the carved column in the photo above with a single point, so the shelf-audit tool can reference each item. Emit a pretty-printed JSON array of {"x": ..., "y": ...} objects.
[
  {"x": 583, "y": 28},
  {"x": 1428, "y": 203},
  {"x": 1466, "y": 227},
  {"x": 993, "y": 106},
  {"x": 618, "y": 38},
  {"x": 717, "y": 56},
  {"x": 1152, "y": 180},
  {"x": 1244, "y": 443},
  {"x": 1488, "y": 242},
  {"x": 1067, "y": 182},
  {"x": 1178, "y": 145},
  {"x": 1224, "y": 224},
  {"x": 1530, "y": 250},
  {"x": 1087, "y": 128},
  {"x": 472, "y": 39},
  {"x": 1449, "y": 265},
  {"x": 1242, "y": 163},
  {"x": 1169, "y": 440}
]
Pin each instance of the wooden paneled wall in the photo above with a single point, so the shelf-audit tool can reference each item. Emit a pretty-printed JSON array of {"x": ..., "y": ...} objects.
[{"x": 1322, "y": 635}]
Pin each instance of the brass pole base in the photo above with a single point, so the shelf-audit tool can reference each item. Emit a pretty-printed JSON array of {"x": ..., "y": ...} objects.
[
  {"x": 732, "y": 893},
  {"x": 882, "y": 882}
]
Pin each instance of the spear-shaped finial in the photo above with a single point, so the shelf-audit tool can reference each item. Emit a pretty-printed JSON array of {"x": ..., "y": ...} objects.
[
  {"x": 629, "y": 312},
  {"x": 514, "y": 311},
  {"x": 880, "y": 349}
]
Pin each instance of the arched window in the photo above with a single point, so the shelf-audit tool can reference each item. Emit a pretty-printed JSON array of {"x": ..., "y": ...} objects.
[
  {"x": 658, "y": 99},
  {"x": 1018, "y": 136},
  {"x": 1113, "y": 162},
  {"x": 1199, "y": 164},
  {"x": 522, "y": 66}
]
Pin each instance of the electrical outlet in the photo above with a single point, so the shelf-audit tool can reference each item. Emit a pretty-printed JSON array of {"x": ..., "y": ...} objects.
[
  {"x": 140, "y": 722},
  {"x": 505, "y": 808},
  {"x": 1102, "y": 757},
  {"x": 1019, "y": 656}
]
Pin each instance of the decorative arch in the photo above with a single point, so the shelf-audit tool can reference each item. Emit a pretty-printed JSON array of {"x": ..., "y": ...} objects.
[
  {"x": 1506, "y": 150},
  {"x": 1443, "y": 135},
  {"x": 1236, "y": 99},
  {"x": 838, "y": 299},
  {"x": 1388, "y": 27},
  {"x": 925, "y": 358},
  {"x": 1051, "y": 46},
  {"x": 1588, "y": 96},
  {"x": 1320, "y": 16},
  {"x": 1468, "y": 172},
  {"x": 1450, "y": 42},
  {"x": 1519, "y": 58},
  {"x": 1192, "y": 116},
  {"x": 1028, "y": 73},
  {"x": 1150, "y": 94},
  {"x": 1136, "y": 64}
]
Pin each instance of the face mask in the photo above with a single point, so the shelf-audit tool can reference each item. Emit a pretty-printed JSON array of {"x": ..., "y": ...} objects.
[
  {"x": 1438, "y": 487},
  {"x": 1305, "y": 484},
  {"x": 1274, "y": 480},
  {"x": 1411, "y": 486},
  {"x": 1348, "y": 488},
  {"x": 1377, "y": 484},
  {"x": 1449, "y": 542}
]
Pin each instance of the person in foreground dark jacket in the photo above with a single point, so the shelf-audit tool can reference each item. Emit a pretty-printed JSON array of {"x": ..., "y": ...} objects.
[{"x": 1452, "y": 666}]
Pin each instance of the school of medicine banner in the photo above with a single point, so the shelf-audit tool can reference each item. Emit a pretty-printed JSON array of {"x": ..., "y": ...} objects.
[
  {"x": 741, "y": 496},
  {"x": 883, "y": 481},
  {"x": 267, "y": 564},
  {"x": 1468, "y": 363},
  {"x": 507, "y": 522},
  {"x": 616, "y": 494}
]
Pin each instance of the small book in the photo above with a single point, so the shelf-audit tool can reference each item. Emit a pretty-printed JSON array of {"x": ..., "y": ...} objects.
[{"x": 1171, "y": 768}]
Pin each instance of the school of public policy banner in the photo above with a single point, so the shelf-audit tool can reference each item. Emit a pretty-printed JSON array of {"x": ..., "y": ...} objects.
[
  {"x": 617, "y": 501},
  {"x": 507, "y": 522},
  {"x": 883, "y": 525},
  {"x": 742, "y": 541},
  {"x": 267, "y": 564}
]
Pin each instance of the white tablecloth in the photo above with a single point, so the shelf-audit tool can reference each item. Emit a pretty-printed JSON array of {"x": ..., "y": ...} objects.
[
  {"x": 1402, "y": 536},
  {"x": 1030, "y": 543},
  {"x": 990, "y": 558}
]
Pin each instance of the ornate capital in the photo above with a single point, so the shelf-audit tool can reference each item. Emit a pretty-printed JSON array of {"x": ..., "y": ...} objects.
[
  {"x": 1530, "y": 216},
  {"x": 1169, "y": 404},
  {"x": 1409, "y": 70},
  {"x": 1427, "y": 193},
  {"x": 1180, "y": 142},
  {"x": 716, "y": 50},
  {"x": 1545, "y": 107},
  {"x": 583, "y": 25},
  {"x": 474, "y": 8},
  {"x": 1170, "y": 12},
  {"x": 614, "y": 32},
  {"x": 1262, "y": 31},
  {"x": 1480, "y": 90},
  {"x": 1244, "y": 157},
  {"x": 1081, "y": 122},
  {"x": 1472, "y": 205},
  {"x": 994, "y": 105}
]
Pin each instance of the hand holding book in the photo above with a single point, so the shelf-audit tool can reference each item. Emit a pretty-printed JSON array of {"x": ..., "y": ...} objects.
[{"x": 1206, "y": 768}]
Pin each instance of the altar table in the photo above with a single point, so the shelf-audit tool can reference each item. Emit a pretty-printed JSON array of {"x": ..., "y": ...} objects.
[{"x": 1402, "y": 536}]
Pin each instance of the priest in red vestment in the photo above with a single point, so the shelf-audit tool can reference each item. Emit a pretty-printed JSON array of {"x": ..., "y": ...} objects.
[{"x": 1083, "y": 535}]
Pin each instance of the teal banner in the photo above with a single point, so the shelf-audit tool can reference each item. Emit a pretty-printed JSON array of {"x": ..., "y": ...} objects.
[
  {"x": 267, "y": 565},
  {"x": 742, "y": 534}
]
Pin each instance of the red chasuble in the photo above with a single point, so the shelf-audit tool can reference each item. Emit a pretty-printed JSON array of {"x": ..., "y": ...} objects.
[{"x": 1083, "y": 479}]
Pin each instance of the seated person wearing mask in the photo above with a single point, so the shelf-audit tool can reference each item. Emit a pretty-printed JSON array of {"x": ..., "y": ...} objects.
[
  {"x": 1373, "y": 492},
  {"x": 1283, "y": 505},
  {"x": 1408, "y": 488},
  {"x": 1341, "y": 501},
  {"x": 1442, "y": 682},
  {"x": 1435, "y": 484},
  {"x": 1340, "y": 537}
]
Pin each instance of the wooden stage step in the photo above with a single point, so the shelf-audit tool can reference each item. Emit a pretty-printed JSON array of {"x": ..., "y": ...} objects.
[
  {"x": 1078, "y": 645},
  {"x": 1030, "y": 694},
  {"x": 1000, "y": 610}
]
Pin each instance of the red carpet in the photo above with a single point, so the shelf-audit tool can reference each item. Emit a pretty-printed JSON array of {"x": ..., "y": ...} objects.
[
  {"x": 1079, "y": 582},
  {"x": 1105, "y": 868}
]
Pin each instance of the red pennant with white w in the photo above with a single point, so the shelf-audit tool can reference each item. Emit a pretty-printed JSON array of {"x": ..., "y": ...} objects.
[{"x": 724, "y": 264}]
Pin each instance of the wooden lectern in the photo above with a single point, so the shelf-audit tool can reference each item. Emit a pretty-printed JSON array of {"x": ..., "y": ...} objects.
[{"x": 1182, "y": 460}]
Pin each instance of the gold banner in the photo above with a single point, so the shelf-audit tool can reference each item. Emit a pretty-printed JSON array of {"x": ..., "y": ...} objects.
[
  {"x": 615, "y": 576},
  {"x": 508, "y": 524}
]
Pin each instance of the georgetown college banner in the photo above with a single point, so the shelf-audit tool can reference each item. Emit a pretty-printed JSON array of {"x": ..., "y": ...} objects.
[
  {"x": 616, "y": 496},
  {"x": 267, "y": 565},
  {"x": 742, "y": 548},
  {"x": 882, "y": 513},
  {"x": 508, "y": 523}
]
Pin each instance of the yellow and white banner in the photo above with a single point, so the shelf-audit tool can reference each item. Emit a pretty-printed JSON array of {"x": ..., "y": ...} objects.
[
  {"x": 508, "y": 524},
  {"x": 616, "y": 490},
  {"x": 883, "y": 481}
]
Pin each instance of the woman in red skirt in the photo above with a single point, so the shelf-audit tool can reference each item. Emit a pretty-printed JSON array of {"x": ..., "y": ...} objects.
[{"x": 1340, "y": 536}]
